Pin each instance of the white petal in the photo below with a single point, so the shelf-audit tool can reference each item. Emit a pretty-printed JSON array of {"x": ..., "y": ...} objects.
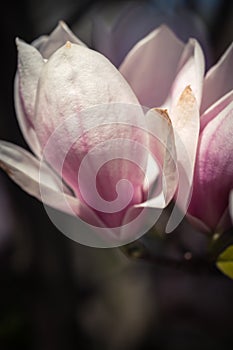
[
  {"x": 28, "y": 172},
  {"x": 40, "y": 181},
  {"x": 76, "y": 78},
  {"x": 35, "y": 178},
  {"x": 215, "y": 109},
  {"x": 61, "y": 34},
  {"x": 190, "y": 72},
  {"x": 218, "y": 80},
  {"x": 150, "y": 67},
  {"x": 163, "y": 150},
  {"x": 30, "y": 64},
  {"x": 26, "y": 127},
  {"x": 186, "y": 124}
]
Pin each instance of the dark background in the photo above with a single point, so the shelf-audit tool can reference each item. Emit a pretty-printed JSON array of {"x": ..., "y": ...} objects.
[{"x": 57, "y": 294}]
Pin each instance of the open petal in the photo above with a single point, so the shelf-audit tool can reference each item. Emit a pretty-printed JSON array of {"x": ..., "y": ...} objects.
[
  {"x": 190, "y": 71},
  {"x": 163, "y": 152},
  {"x": 26, "y": 127},
  {"x": 38, "y": 180},
  {"x": 150, "y": 67},
  {"x": 213, "y": 178},
  {"x": 186, "y": 123},
  {"x": 66, "y": 87},
  {"x": 218, "y": 80},
  {"x": 39, "y": 42},
  {"x": 30, "y": 64},
  {"x": 94, "y": 81},
  {"x": 47, "y": 45},
  {"x": 215, "y": 109},
  {"x": 25, "y": 169}
]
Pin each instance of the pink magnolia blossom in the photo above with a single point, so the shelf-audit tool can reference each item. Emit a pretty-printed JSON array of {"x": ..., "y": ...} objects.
[
  {"x": 63, "y": 88},
  {"x": 59, "y": 79},
  {"x": 213, "y": 180}
]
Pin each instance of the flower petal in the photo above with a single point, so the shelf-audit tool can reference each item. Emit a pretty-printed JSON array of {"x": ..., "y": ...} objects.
[
  {"x": 101, "y": 153},
  {"x": 39, "y": 42},
  {"x": 163, "y": 151},
  {"x": 186, "y": 123},
  {"x": 215, "y": 109},
  {"x": 37, "y": 179},
  {"x": 150, "y": 67},
  {"x": 213, "y": 178},
  {"x": 24, "y": 169},
  {"x": 47, "y": 45},
  {"x": 84, "y": 99},
  {"x": 67, "y": 87},
  {"x": 30, "y": 64},
  {"x": 190, "y": 72},
  {"x": 218, "y": 80},
  {"x": 25, "y": 126},
  {"x": 40, "y": 181}
]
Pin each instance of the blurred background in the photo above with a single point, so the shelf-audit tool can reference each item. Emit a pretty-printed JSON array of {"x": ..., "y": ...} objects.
[{"x": 57, "y": 294}]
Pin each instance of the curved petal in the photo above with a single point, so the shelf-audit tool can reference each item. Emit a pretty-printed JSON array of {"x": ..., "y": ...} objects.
[
  {"x": 66, "y": 87},
  {"x": 24, "y": 169},
  {"x": 39, "y": 42},
  {"x": 27, "y": 129},
  {"x": 190, "y": 72},
  {"x": 104, "y": 151},
  {"x": 93, "y": 82},
  {"x": 150, "y": 67},
  {"x": 215, "y": 109},
  {"x": 30, "y": 64},
  {"x": 38, "y": 180},
  {"x": 213, "y": 178},
  {"x": 186, "y": 123},
  {"x": 47, "y": 45},
  {"x": 66, "y": 113},
  {"x": 163, "y": 152},
  {"x": 218, "y": 80}
]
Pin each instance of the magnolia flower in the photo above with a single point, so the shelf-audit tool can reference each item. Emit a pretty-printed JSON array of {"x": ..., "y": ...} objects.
[
  {"x": 63, "y": 89},
  {"x": 76, "y": 110},
  {"x": 208, "y": 208}
]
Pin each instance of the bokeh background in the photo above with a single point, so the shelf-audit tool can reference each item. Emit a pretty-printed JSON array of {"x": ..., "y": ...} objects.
[{"x": 57, "y": 294}]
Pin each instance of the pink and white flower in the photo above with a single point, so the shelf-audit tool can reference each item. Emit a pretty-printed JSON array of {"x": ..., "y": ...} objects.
[
  {"x": 59, "y": 79},
  {"x": 213, "y": 180}
]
